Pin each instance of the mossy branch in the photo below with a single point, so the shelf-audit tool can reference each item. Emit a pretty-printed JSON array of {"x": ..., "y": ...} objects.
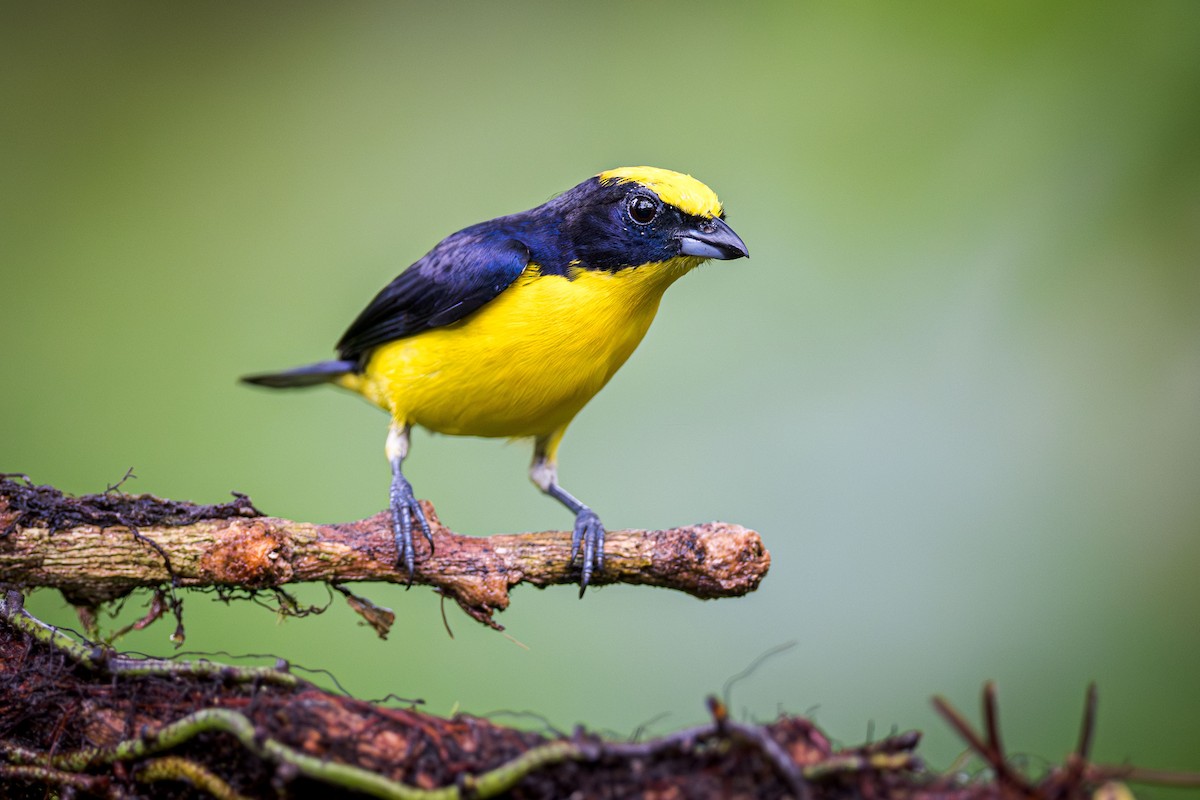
[
  {"x": 79, "y": 716},
  {"x": 118, "y": 543},
  {"x": 291, "y": 729}
]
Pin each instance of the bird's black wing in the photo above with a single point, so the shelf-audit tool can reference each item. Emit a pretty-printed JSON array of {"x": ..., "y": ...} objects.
[{"x": 458, "y": 276}]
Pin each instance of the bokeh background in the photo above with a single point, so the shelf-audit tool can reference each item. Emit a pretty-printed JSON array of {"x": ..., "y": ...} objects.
[{"x": 956, "y": 387}]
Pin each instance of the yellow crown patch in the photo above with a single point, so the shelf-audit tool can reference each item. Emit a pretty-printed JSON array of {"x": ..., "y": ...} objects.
[{"x": 682, "y": 191}]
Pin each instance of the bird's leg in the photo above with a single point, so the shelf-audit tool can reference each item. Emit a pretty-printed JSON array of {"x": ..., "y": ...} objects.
[
  {"x": 589, "y": 531},
  {"x": 404, "y": 502}
]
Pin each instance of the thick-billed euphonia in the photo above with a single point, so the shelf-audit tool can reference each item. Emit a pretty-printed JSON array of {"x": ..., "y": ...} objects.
[{"x": 507, "y": 328}]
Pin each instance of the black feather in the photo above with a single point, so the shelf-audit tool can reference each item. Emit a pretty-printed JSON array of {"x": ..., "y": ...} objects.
[
  {"x": 308, "y": 375},
  {"x": 458, "y": 276}
]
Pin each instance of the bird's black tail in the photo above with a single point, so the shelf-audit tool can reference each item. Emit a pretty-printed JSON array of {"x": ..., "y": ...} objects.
[{"x": 308, "y": 375}]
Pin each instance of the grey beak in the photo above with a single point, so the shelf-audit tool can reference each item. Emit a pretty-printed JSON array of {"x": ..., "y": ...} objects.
[{"x": 712, "y": 238}]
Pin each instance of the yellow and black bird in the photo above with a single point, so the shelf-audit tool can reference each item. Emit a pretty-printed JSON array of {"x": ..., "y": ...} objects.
[{"x": 507, "y": 328}]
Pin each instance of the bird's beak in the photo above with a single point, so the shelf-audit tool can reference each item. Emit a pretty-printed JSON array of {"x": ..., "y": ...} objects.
[{"x": 712, "y": 238}]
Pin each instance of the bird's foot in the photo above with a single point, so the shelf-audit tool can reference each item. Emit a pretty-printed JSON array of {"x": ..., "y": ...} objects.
[
  {"x": 404, "y": 508},
  {"x": 589, "y": 532}
]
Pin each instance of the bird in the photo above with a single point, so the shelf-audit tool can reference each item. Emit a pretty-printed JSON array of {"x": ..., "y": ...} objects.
[{"x": 509, "y": 327}]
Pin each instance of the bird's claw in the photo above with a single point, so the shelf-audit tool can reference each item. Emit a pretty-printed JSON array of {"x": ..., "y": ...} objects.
[
  {"x": 589, "y": 532},
  {"x": 404, "y": 508}
]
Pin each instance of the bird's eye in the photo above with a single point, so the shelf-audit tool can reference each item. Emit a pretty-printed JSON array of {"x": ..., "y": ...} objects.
[{"x": 642, "y": 209}]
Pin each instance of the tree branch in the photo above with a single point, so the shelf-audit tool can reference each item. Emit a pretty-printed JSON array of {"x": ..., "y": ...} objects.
[
  {"x": 97, "y": 548},
  {"x": 76, "y": 714}
]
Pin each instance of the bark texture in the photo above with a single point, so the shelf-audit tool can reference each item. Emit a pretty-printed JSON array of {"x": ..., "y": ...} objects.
[{"x": 97, "y": 548}]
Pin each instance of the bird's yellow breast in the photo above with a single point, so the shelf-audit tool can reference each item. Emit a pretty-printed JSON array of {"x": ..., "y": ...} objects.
[{"x": 525, "y": 363}]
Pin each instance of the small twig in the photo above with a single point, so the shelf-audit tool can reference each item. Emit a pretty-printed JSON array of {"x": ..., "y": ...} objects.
[
  {"x": 991, "y": 721},
  {"x": 1075, "y": 776},
  {"x": 787, "y": 769},
  {"x": 960, "y": 725},
  {"x": 93, "y": 784},
  {"x": 116, "y": 487},
  {"x": 1077, "y": 762},
  {"x": 174, "y": 768},
  {"x": 997, "y": 759},
  {"x": 1088, "y": 728},
  {"x": 784, "y": 765},
  {"x": 989, "y": 749}
]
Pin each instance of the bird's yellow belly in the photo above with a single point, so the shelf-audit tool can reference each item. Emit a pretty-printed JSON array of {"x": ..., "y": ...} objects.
[{"x": 525, "y": 363}]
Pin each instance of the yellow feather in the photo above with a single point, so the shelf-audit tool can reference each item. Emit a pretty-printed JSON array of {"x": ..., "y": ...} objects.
[
  {"x": 682, "y": 191},
  {"x": 525, "y": 363}
]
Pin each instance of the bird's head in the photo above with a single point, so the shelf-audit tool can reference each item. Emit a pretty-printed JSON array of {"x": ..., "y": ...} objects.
[{"x": 633, "y": 216}]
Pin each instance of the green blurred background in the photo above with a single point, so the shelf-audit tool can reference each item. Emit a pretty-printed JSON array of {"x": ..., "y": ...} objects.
[{"x": 956, "y": 387}]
